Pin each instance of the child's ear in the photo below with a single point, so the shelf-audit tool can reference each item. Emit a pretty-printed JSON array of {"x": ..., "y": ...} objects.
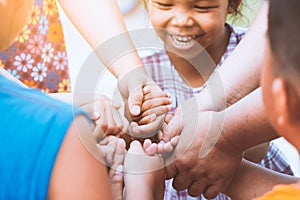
[{"x": 286, "y": 102}]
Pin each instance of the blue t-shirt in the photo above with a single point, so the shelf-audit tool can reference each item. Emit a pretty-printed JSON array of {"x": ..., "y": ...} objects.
[{"x": 32, "y": 128}]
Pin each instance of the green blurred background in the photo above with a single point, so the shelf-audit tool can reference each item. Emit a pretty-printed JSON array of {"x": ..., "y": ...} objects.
[{"x": 248, "y": 10}]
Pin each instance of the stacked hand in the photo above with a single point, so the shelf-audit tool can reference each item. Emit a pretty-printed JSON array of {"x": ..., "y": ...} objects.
[
  {"x": 203, "y": 160},
  {"x": 146, "y": 104}
]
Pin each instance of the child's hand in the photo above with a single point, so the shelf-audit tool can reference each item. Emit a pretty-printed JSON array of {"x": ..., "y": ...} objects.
[
  {"x": 131, "y": 87},
  {"x": 155, "y": 105},
  {"x": 113, "y": 150},
  {"x": 155, "y": 102},
  {"x": 108, "y": 119},
  {"x": 148, "y": 175}
]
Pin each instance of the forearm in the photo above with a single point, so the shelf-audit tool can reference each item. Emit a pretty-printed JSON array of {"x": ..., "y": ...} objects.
[
  {"x": 99, "y": 21},
  {"x": 252, "y": 180},
  {"x": 246, "y": 124},
  {"x": 240, "y": 73}
]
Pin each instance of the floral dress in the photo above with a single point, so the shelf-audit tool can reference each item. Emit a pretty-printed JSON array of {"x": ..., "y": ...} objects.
[{"x": 38, "y": 55}]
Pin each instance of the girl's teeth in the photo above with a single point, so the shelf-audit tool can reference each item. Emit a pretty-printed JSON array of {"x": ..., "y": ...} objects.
[{"x": 182, "y": 40}]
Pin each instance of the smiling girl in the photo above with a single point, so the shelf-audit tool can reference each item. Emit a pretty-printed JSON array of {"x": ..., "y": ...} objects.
[{"x": 192, "y": 30}]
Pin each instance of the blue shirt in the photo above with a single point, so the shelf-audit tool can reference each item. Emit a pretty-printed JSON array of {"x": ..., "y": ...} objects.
[{"x": 32, "y": 128}]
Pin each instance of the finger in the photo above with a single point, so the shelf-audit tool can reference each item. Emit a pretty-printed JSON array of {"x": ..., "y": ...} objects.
[
  {"x": 136, "y": 147},
  {"x": 89, "y": 108},
  {"x": 147, "y": 143},
  {"x": 213, "y": 190},
  {"x": 98, "y": 134},
  {"x": 173, "y": 128},
  {"x": 83, "y": 99},
  {"x": 174, "y": 141},
  {"x": 160, "y": 147},
  {"x": 119, "y": 154},
  {"x": 171, "y": 171},
  {"x": 160, "y": 110},
  {"x": 106, "y": 151},
  {"x": 95, "y": 115},
  {"x": 136, "y": 154},
  {"x": 102, "y": 122},
  {"x": 119, "y": 122},
  {"x": 152, "y": 149},
  {"x": 147, "y": 119},
  {"x": 104, "y": 141},
  {"x": 154, "y": 91},
  {"x": 110, "y": 156},
  {"x": 125, "y": 126},
  {"x": 147, "y": 104},
  {"x": 117, "y": 182},
  {"x": 117, "y": 105},
  {"x": 167, "y": 148},
  {"x": 159, "y": 135},
  {"x": 168, "y": 118},
  {"x": 145, "y": 131},
  {"x": 111, "y": 127},
  {"x": 182, "y": 181},
  {"x": 197, "y": 188},
  {"x": 135, "y": 101}
]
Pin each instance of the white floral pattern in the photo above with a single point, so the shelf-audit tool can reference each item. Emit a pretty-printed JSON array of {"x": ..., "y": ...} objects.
[
  {"x": 60, "y": 60},
  {"x": 39, "y": 72},
  {"x": 23, "y": 62}
]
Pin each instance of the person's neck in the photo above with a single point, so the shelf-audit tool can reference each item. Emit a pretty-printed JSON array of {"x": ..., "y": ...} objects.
[
  {"x": 217, "y": 49},
  {"x": 193, "y": 71},
  {"x": 196, "y": 71}
]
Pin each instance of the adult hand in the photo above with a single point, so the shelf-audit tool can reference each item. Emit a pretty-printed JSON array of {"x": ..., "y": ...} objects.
[{"x": 203, "y": 160}]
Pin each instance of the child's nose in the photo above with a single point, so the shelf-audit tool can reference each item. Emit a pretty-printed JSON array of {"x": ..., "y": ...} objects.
[{"x": 182, "y": 18}]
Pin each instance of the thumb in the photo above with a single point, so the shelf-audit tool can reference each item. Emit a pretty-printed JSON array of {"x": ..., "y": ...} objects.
[
  {"x": 135, "y": 101},
  {"x": 173, "y": 127}
]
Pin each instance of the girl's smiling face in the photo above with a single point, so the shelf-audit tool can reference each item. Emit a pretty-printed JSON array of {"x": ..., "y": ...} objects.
[{"x": 183, "y": 23}]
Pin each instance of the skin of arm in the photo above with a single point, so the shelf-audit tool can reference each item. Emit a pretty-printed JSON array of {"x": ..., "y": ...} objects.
[
  {"x": 247, "y": 126},
  {"x": 80, "y": 176},
  {"x": 88, "y": 16},
  {"x": 94, "y": 13},
  {"x": 239, "y": 131},
  {"x": 148, "y": 176},
  {"x": 217, "y": 145},
  {"x": 253, "y": 181},
  {"x": 110, "y": 39},
  {"x": 239, "y": 75}
]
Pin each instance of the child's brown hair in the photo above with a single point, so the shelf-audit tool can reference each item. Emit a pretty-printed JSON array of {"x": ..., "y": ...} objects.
[{"x": 284, "y": 30}]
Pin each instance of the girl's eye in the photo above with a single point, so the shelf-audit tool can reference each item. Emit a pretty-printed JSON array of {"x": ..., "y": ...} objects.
[
  {"x": 203, "y": 8},
  {"x": 164, "y": 5}
]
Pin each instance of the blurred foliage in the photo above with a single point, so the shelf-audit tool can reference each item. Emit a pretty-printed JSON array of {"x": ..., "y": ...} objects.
[{"x": 247, "y": 12}]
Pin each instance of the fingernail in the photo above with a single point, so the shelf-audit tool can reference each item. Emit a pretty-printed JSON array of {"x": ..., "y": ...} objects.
[
  {"x": 96, "y": 115},
  {"x": 136, "y": 110},
  {"x": 121, "y": 143},
  {"x": 119, "y": 170},
  {"x": 152, "y": 117}
]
